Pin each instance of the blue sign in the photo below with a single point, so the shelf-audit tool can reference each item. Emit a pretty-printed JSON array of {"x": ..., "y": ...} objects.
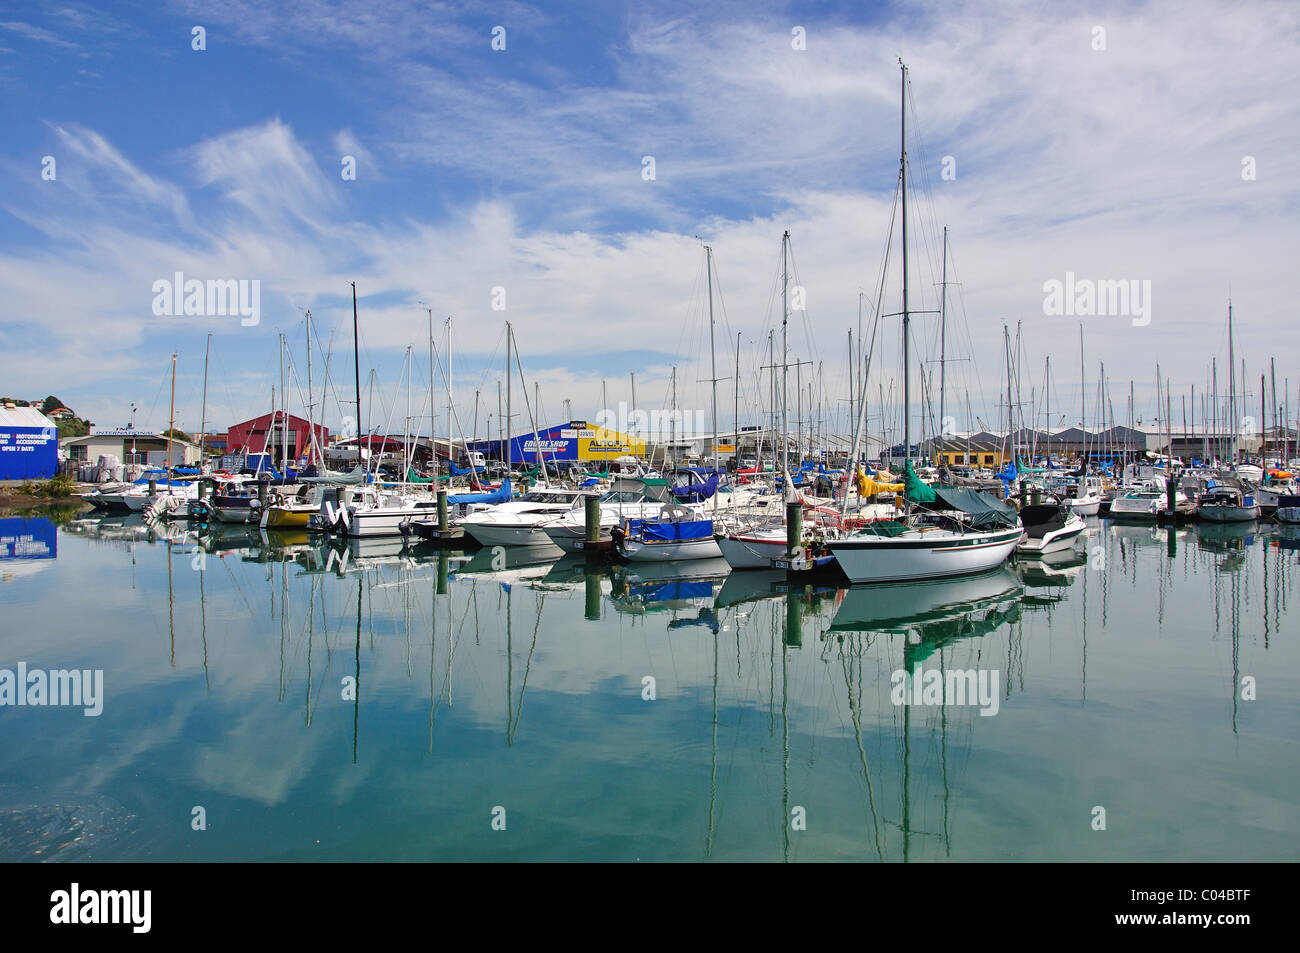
[{"x": 28, "y": 538}]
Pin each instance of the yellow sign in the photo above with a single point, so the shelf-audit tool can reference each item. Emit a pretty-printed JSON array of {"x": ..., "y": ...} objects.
[
  {"x": 726, "y": 448},
  {"x": 601, "y": 444}
]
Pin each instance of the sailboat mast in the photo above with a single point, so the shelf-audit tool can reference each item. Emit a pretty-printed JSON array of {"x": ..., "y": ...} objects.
[
  {"x": 1232, "y": 389},
  {"x": 735, "y": 409},
  {"x": 450, "y": 410},
  {"x": 433, "y": 414},
  {"x": 356, "y": 365},
  {"x": 785, "y": 358},
  {"x": 171, "y": 427},
  {"x": 713, "y": 366},
  {"x": 672, "y": 419},
  {"x": 311, "y": 429},
  {"x": 505, "y": 447},
  {"x": 943, "y": 334},
  {"x": 284, "y": 414},
  {"x": 902, "y": 172},
  {"x": 1272, "y": 399},
  {"x": 203, "y": 414},
  {"x": 1083, "y": 403}
]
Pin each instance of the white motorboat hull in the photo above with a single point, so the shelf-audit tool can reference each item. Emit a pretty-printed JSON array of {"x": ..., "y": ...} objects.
[
  {"x": 1289, "y": 514},
  {"x": 1136, "y": 510},
  {"x": 502, "y": 534},
  {"x": 1085, "y": 506},
  {"x": 385, "y": 521},
  {"x": 928, "y": 555},
  {"x": 1053, "y": 541}
]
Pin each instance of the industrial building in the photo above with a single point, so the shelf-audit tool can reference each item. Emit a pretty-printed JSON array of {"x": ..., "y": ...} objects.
[{"x": 130, "y": 446}]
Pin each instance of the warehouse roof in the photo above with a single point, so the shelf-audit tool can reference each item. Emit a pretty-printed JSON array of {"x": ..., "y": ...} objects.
[{"x": 23, "y": 417}]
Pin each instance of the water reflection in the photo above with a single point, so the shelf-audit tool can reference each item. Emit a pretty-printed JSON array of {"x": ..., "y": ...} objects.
[{"x": 525, "y": 670}]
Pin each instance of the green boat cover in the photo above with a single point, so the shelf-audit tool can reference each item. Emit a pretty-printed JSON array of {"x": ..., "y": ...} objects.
[
  {"x": 913, "y": 489},
  {"x": 983, "y": 509}
]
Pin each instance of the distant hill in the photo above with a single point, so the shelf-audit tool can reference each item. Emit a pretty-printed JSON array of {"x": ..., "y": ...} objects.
[{"x": 70, "y": 425}]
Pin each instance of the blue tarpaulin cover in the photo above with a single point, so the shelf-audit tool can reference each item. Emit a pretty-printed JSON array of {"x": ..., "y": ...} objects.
[
  {"x": 653, "y": 531},
  {"x": 500, "y": 495}
]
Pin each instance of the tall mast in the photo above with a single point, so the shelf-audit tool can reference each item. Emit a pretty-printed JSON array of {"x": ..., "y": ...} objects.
[
  {"x": 407, "y": 446},
  {"x": 311, "y": 429},
  {"x": 203, "y": 414},
  {"x": 356, "y": 365},
  {"x": 171, "y": 427},
  {"x": 1272, "y": 399},
  {"x": 284, "y": 415},
  {"x": 1232, "y": 388},
  {"x": 632, "y": 376},
  {"x": 1083, "y": 404},
  {"x": 450, "y": 410},
  {"x": 902, "y": 172},
  {"x": 1047, "y": 408},
  {"x": 713, "y": 366},
  {"x": 785, "y": 358},
  {"x": 506, "y": 448},
  {"x": 735, "y": 410},
  {"x": 1006, "y": 342},
  {"x": 1214, "y": 408},
  {"x": 433, "y": 414},
  {"x": 943, "y": 332},
  {"x": 672, "y": 419}
]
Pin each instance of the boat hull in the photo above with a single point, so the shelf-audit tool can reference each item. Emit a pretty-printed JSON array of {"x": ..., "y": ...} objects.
[
  {"x": 1053, "y": 541},
  {"x": 743, "y": 551},
  {"x": 1085, "y": 506},
  {"x": 277, "y": 517},
  {"x": 489, "y": 534},
  {"x": 914, "y": 556},
  {"x": 636, "y": 551},
  {"x": 1228, "y": 514}
]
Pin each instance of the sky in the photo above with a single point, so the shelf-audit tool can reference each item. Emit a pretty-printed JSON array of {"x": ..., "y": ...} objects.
[{"x": 562, "y": 166}]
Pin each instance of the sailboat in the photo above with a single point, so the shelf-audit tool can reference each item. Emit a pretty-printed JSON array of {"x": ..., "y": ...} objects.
[
  {"x": 679, "y": 531},
  {"x": 959, "y": 530}
]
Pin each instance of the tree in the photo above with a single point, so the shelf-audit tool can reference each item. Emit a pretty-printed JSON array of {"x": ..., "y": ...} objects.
[
  {"x": 176, "y": 434},
  {"x": 51, "y": 403}
]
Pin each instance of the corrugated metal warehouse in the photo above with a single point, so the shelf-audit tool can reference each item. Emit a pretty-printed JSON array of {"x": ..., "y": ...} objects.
[{"x": 29, "y": 444}]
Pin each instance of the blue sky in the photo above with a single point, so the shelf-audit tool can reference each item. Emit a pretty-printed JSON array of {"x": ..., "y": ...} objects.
[{"x": 522, "y": 169}]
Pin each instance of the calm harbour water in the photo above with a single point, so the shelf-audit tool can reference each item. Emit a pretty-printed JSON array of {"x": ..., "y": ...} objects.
[{"x": 771, "y": 736}]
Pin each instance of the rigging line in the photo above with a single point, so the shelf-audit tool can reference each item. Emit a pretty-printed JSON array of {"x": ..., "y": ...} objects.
[{"x": 161, "y": 384}]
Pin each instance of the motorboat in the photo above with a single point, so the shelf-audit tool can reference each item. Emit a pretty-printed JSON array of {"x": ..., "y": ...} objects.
[
  {"x": 522, "y": 521},
  {"x": 1227, "y": 503},
  {"x": 1145, "y": 501},
  {"x": 1288, "y": 509},
  {"x": 1049, "y": 527}
]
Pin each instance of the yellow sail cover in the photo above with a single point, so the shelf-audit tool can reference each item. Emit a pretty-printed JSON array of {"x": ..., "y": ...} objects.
[{"x": 870, "y": 487}]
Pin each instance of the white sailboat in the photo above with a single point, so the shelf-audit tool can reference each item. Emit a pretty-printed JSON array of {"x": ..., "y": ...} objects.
[{"x": 973, "y": 533}]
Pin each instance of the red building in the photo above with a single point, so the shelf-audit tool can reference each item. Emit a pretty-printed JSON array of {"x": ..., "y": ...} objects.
[{"x": 252, "y": 436}]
